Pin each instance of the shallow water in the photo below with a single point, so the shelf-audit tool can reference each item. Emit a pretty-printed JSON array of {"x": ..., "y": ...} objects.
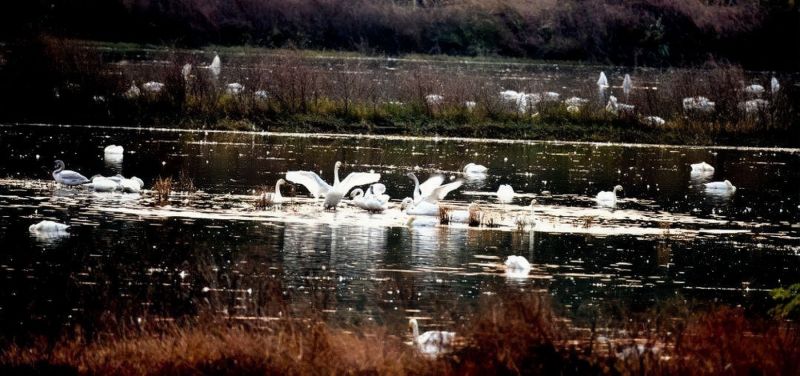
[{"x": 128, "y": 258}]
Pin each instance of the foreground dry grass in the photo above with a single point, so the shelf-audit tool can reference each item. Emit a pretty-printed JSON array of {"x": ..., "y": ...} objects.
[{"x": 513, "y": 336}]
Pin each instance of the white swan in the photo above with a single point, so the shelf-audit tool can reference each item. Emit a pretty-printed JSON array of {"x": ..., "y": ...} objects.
[
  {"x": 575, "y": 101},
  {"x": 754, "y": 89},
  {"x": 431, "y": 342},
  {"x": 627, "y": 85},
  {"x": 608, "y": 198},
  {"x": 333, "y": 194},
  {"x": 133, "y": 91},
  {"x": 720, "y": 187},
  {"x": 615, "y": 107},
  {"x": 434, "y": 99},
  {"x": 153, "y": 87},
  {"x": 774, "y": 85},
  {"x": 754, "y": 105},
  {"x": 103, "y": 184},
  {"x": 602, "y": 82},
  {"x": 67, "y": 177},
  {"x": 216, "y": 66},
  {"x": 113, "y": 149},
  {"x": 654, "y": 121},
  {"x": 424, "y": 208},
  {"x": 432, "y": 190},
  {"x": 186, "y": 71},
  {"x": 505, "y": 193},
  {"x": 474, "y": 169},
  {"x": 517, "y": 266},
  {"x": 48, "y": 227},
  {"x": 234, "y": 88},
  {"x": 275, "y": 198},
  {"x": 702, "y": 167},
  {"x": 698, "y": 103},
  {"x": 369, "y": 202}
]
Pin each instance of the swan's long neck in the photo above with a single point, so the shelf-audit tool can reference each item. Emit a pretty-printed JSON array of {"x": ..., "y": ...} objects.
[
  {"x": 278, "y": 189},
  {"x": 59, "y": 168},
  {"x": 335, "y": 174},
  {"x": 414, "y": 330},
  {"x": 417, "y": 190}
]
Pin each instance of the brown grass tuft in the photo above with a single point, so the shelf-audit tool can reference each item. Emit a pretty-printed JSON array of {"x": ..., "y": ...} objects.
[{"x": 163, "y": 189}]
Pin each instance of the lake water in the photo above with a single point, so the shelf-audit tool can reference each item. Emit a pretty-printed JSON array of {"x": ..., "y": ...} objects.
[{"x": 127, "y": 259}]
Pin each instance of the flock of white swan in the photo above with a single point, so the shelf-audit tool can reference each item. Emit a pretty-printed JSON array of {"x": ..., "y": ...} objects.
[{"x": 424, "y": 201}]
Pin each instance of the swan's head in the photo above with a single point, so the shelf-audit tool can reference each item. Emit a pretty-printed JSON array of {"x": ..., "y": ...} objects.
[
  {"x": 413, "y": 326},
  {"x": 338, "y": 164},
  {"x": 730, "y": 185},
  {"x": 378, "y": 188},
  {"x": 533, "y": 202},
  {"x": 411, "y": 175},
  {"x": 408, "y": 201},
  {"x": 280, "y": 182},
  {"x": 469, "y": 166},
  {"x": 358, "y": 192},
  {"x": 617, "y": 188},
  {"x": 58, "y": 164}
]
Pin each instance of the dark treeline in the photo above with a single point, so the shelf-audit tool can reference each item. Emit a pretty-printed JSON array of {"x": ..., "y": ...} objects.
[{"x": 761, "y": 34}]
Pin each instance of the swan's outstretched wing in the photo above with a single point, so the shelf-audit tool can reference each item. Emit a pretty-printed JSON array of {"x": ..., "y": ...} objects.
[
  {"x": 311, "y": 181},
  {"x": 356, "y": 179},
  {"x": 441, "y": 191},
  {"x": 429, "y": 185}
]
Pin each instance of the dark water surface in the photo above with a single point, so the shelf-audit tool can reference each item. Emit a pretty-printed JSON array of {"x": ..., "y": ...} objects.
[{"x": 127, "y": 258}]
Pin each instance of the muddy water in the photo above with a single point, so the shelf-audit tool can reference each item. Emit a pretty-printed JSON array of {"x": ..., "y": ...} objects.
[{"x": 213, "y": 251}]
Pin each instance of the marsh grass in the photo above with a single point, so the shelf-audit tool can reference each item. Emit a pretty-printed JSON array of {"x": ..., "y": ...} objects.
[
  {"x": 163, "y": 189},
  {"x": 303, "y": 95},
  {"x": 517, "y": 334}
]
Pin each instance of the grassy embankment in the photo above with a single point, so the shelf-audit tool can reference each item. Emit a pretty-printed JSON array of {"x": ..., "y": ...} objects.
[{"x": 62, "y": 81}]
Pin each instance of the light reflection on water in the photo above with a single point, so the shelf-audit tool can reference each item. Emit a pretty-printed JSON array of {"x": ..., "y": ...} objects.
[{"x": 213, "y": 249}]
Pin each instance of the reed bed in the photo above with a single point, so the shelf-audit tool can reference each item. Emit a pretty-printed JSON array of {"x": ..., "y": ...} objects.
[
  {"x": 519, "y": 334},
  {"x": 289, "y": 92}
]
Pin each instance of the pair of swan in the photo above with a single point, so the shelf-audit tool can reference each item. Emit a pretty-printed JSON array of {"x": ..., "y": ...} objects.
[
  {"x": 333, "y": 194},
  {"x": 426, "y": 196},
  {"x": 116, "y": 183},
  {"x": 432, "y": 342},
  {"x": 375, "y": 200},
  {"x": 608, "y": 198}
]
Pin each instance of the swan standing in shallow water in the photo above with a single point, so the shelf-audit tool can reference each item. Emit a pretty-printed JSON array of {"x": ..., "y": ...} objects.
[
  {"x": 216, "y": 66},
  {"x": 505, "y": 193},
  {"x": 602, "y": 82},
  {"x": 275, "y": 198},
  {"x": 427, "y": 195},
  {"x": 431, "y": 342},
  {"x": 720, "y": 187},
  {"x": 608, "y": 198},
  {"x": 369, "y": 201},
  {"x": 333, "y": 194},
  {"x": 67, "y": 177},
  {"x": 627, "y": 86}
]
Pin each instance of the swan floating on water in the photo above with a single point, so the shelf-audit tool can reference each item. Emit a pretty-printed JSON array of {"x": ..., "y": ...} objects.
[
  {"x": 608, "y": 198},
  {"x": 720, "y": 187},
  {"x": 333, "y": 194},
  {"x": 517, "y": 266},
  {"x": 216, "y": 66},
  {"x": 48, "y": 227},
  {"x": 505, "y": 193},
  {"x": 602, "y": 82},
  {"x": 474, "y": 169},
  {"x": 431, "y": 342},
  {"x": 103, "y": 184},
  {"x": 702, "y": 167},
  {"x": 113, "y": 150},
  {"x": 67, "y": 177}
]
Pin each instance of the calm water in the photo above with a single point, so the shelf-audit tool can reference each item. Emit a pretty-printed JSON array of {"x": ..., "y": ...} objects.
[{"x": 129, "y": 259}]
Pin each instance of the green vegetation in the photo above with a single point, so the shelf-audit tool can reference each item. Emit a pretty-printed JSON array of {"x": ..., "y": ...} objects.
[{"x": 787, "y": 302}]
